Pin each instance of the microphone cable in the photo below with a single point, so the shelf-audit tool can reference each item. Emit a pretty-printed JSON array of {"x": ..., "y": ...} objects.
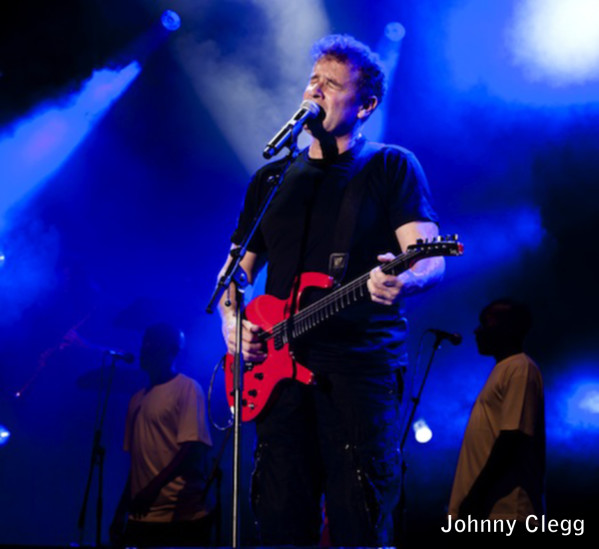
[{"x": 218, "y": 366}]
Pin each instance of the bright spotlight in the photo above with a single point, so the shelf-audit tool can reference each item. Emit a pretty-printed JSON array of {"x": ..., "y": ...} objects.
[
  {"x": 422, "y": 431},
  {"x": 4, "y": 435},
  {"x": 583, "y": 405},
  {"x": 2, "y": 259},
  {"x": 170, "y": 20},
  {"x": 558, "y": 40},
  {"x": 590, "y": 401}
]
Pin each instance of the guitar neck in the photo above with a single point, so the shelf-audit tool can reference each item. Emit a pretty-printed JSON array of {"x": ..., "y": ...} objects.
[{"x": 315, "y": 314}]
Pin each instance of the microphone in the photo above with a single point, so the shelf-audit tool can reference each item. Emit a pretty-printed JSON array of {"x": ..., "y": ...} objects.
[
  {"x": 292, "y": 128},
  {"x": 129, "y": 358},
  {"x": 454, "y": 339},
  {"x": 72, "y": 338}
]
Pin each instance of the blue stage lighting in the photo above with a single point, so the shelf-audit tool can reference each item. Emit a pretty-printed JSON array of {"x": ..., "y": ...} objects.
[
  {"x": 590, "y": 401},
  {"x": 583, "y": 406},
  {"x": 395, "y": 32},
  {"x": 557, "y": 40},
  {"x": 4, "y": 435},
  {"x": 422, "y": 432},
  {"x": 170, "y": 20},
  {"x": 572, "y": 408},
  {"x": 38, "y": 145},
  {"x": 535, "y": 52}
]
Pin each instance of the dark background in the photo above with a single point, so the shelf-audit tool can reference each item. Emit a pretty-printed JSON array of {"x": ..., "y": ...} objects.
[{"x": 132, "y": 226}]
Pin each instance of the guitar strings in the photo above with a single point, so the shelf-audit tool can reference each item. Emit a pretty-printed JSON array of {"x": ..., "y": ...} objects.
[
  {"x": 322, "y": 306},
  {"x": 301, "y": 320}
]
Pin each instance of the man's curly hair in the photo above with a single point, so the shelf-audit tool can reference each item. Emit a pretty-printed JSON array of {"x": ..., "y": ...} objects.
[{"x": 346, "y": 49}]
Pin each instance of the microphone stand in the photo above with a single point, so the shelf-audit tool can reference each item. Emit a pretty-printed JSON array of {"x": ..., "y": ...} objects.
[
  {"x": 400, "y": 518},
  {"x": 238, "y": 277},
  {"x": 97, "y": 458}
]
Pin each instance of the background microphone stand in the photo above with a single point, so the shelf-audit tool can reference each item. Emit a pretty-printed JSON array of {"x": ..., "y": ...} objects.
[
  {"x": 238, "y": 277},
  {"x": 400, "y": 512},
  {"x": 97, "y": 458}
]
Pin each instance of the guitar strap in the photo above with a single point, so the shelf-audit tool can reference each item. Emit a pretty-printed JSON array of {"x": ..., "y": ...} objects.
[{"x": 350, "y": 208}]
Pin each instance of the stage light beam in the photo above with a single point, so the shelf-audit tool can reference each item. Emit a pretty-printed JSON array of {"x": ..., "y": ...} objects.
[
  {"x": 388, "y": 49},
  {"x": 219, "y": 71},
  {"x": 39, "y": 145}
]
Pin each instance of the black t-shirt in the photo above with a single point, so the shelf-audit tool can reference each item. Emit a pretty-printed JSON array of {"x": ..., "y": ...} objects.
[{"x": 297, "y": 234}]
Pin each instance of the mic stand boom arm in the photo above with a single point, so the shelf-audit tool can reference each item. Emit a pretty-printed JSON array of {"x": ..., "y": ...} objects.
[{"x": 235, "y": 274}]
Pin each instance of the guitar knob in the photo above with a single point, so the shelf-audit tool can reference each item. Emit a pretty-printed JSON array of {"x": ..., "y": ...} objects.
[
  {"x": 259, "y": 376},
  {"x": 253, "y": 393}
]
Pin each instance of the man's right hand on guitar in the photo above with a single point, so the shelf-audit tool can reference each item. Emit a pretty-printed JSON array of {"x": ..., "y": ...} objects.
[{"x": 253, "y": 347}]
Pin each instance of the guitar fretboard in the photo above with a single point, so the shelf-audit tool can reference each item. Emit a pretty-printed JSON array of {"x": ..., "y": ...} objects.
[{"x": 315, "y": 314}]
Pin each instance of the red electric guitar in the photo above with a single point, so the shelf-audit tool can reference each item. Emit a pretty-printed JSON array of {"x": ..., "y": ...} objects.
[{"x": 279, "y": 327}]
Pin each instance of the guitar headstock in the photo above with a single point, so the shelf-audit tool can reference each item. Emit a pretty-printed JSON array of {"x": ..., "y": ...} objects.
[{"x": 440, "y": 245}]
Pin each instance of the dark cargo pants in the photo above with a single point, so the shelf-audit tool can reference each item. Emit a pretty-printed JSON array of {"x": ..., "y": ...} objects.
[{"x": 339, "y": 438}]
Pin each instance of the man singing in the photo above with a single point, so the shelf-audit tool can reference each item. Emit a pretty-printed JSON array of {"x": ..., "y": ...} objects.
[{"x": 338, "y": 437}]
